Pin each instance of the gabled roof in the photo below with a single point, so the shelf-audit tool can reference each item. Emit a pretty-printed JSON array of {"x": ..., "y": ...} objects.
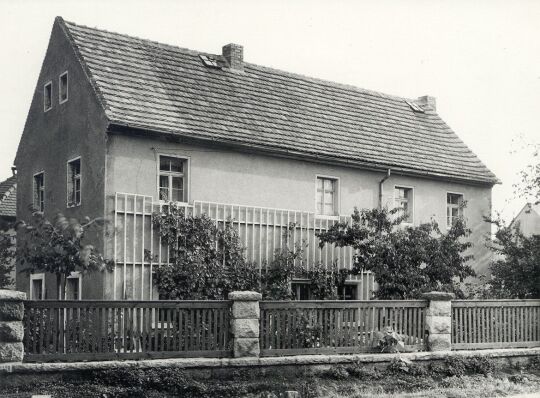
[
  {"x": 166, "y": 89},
  {"x": 8, "y": 197}
]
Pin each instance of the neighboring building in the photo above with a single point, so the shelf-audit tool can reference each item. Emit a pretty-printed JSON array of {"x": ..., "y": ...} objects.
[
  {"x": 129, "y": 124},
  {"x": 528, "y": 219},
  {"x": 8, "y": 208}
]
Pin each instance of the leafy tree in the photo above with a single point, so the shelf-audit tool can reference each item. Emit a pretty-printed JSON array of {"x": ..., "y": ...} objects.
[
  {"x": 529, "y": 186},
  {"x": 407, "y": 260},
  {"x": 325, "y": 282},
  {"x": 7, "y": 257},
  {"x": 516, "y": 271},
  {"x": 58, "y": 247},
  {"x": 205, "y": 262}
]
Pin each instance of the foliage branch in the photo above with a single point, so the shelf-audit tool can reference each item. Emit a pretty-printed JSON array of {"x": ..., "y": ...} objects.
[{"x": 406, "y": 260}]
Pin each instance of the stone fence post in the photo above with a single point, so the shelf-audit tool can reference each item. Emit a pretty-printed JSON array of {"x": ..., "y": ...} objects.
[
  {"x": 11, "y": 326},
  {"x": 245, "y": 323},
  {"x": 439, "y": 321}
]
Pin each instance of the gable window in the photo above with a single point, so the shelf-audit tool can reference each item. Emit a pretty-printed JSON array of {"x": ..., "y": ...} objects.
[
  {"x": 37, "y": 286},
  {"x": 74, "y": 183},
  {"x": 172, "y": 179},
  {"x": 327, "y": 196},
  {"x": 454, "y": 208},
  {"x": 403, "y": 199},
  {"x": 47, "y": 96},
  {"x": 39, "y": 191},
  {"x": 63, "y": 87}
]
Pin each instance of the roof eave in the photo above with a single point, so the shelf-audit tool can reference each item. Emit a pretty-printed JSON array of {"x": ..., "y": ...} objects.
[{"x": 129, "y": 129}]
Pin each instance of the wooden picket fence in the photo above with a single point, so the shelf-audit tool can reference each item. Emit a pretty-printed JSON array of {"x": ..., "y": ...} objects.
[
  {"x": 318, "y": 327},
  {"x": 495, "y": 323},
  {"x": 96, "y": 330}
]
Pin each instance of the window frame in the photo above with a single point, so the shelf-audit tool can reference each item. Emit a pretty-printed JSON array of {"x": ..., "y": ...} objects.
[
  {"x": 36, "y": 277},
  {"x": 34, "y": 191},
  {"x": 68, "y": 171},
  {"x": 60, "y": 101},
  {"x": 413, "y": 207},
  {"x": 45, "y": 109},
  {"x": 337, "y": 196},
  {"x": 73, "y": 275},
  {"x": 446, "y": 208},
  {"x": 298, "y": 283},
  {"x": 186, "y": 175}
]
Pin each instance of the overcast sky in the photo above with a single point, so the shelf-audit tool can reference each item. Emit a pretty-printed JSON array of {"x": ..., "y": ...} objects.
[{"x": 480, "y": 59}]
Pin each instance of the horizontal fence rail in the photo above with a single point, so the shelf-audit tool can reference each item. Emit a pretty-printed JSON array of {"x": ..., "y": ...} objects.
[
  {"x": 137, "y": 246},
  {"x": 317, "y": 327},
  {"x": 495, "y": 323},
  {"x": 94, "y": 330}
]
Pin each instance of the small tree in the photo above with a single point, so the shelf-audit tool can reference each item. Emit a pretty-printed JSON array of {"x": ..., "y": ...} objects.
[
  {"x": 516, "y": 271},
  {"x": 408, "y": 260},
  {"x": 58, "y": 247},
  {"x": 205, "y": 262},
  {"x": 7, "y": 257}
]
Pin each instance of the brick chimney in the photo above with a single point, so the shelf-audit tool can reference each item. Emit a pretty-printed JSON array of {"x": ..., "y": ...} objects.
[
  {"x": 234, "y": 55},
  {"x": 431, "y": 102}
]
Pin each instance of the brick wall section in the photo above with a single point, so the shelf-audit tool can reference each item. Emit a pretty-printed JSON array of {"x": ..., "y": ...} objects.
[
  {"x": 11, "y": 326},
  {"x": 439, "y": 321},
  {"x": 245, "y": 323}
]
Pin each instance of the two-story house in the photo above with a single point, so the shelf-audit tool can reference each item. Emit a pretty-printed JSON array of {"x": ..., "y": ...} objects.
[{"x": 120, "y": 125}]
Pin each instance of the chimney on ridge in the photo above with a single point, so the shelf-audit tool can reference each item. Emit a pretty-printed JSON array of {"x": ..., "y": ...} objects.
[
  {"x": 427, "y": 100},
  {"x": 234, "y": 55}
]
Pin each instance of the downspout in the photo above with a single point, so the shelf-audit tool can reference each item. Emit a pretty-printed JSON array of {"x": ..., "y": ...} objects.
[{"x": 381, "y": 188}]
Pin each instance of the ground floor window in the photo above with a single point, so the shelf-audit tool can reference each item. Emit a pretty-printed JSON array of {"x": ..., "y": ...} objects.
[
  {"x": 348, "y": 292},
  {"x": 37, "y": 286},
  {"x": 73, "y": 286},
  {"x": 301, "y": 290}
]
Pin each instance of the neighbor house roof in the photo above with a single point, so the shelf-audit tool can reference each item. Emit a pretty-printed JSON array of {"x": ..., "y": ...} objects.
[
  {"x": 8, "y": 197},
  {"x": 166, "y": 89}
]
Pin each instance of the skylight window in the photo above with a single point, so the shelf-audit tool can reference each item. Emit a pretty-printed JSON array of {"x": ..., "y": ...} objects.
[
  {"x": 209, "y": 61},
  {"x": 415, "y": 107}
]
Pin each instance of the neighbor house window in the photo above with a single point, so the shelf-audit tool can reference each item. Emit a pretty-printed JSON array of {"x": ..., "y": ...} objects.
[
  {"x": 454, "y": 208},
  {"x": 73, "y": 286},
  {"x": 47, "y": 96},
  {"x": 63, "y": 87},
  {"x": 39, "y": 191},
  {"x": 172, "y": 179},
  {"x": 74, "y": 182},
  {"x": 403, "y": 198},
  {"x": 326, "y": 196},
  {"x": 37, "y": 286}
]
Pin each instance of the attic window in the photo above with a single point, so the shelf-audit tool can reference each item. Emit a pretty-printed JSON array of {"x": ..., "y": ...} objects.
[
  {"x": 63, "y": 87},
  {"x": 209, "y": 61},
  {"x": 415, "y": 107},
  {"x": 47, "y": 96}
]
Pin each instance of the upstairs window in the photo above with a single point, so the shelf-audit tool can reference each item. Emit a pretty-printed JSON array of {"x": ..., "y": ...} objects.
[
  {"x": 403, "y": 199},
  {"x": 172, "y": 179},
  {"x": 63, "y": 87},
  {"x": 39, "y": 191},
  {"x": 47, "y": 96},
  {"x": 74, "y": 183},
  {"x": 326, "y": 196},
  {"x": 454, "y": 208}
]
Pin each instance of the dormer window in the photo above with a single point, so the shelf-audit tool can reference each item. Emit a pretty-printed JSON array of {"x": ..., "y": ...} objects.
[
  {"x": 63, "y": 87},
  {"x": 47, "y": 96}
]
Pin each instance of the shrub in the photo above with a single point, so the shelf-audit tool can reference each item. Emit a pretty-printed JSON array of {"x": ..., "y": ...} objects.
[{"x": 338, "y": 372}]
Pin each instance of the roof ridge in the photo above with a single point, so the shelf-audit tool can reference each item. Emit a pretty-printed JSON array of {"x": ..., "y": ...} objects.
[{"x": 254, "y": 65}]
